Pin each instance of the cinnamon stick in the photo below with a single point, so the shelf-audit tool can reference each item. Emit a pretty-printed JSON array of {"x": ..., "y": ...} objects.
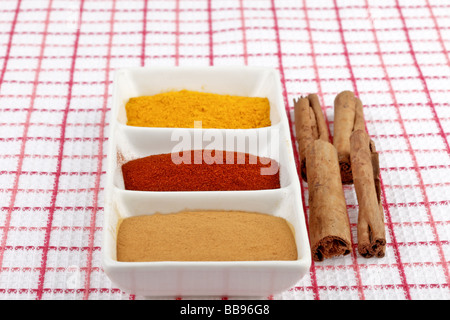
[
  {"x": 322, "y": 128},
  {"x": 348, "y": 117},
  {"x": 328, "y": 220},
  {"x": 365, "y": 171},
  {"x": 310, "y": 125},
  {"x": 376, "y": 169}
]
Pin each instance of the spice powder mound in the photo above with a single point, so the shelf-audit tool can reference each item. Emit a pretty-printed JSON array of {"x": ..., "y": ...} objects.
[
  {"x": 179, "y": 109},
  {"x": 160, "y": 173},
  {"x": 205, "y": 236}
]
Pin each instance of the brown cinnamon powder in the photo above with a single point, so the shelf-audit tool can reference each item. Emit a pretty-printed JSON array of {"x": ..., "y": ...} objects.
[{"x": 205, "y": 236}]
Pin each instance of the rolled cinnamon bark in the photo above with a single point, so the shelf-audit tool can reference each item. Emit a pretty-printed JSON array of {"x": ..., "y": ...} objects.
[
  {"x": 322, "y": 129},
  {"x": 328, "y": 220},
  {"x": 360, "y": 123},
  {"x": 365, "y": 171},
  {"x": 348, "y": 116},
  {"x": 303, "y": 131},
  {"x": 376, "y": 169},
  {"x": 310, "y": 125}
]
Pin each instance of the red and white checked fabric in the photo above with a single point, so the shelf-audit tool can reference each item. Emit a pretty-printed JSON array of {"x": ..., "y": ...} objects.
[{"x": 57, "y": 59}]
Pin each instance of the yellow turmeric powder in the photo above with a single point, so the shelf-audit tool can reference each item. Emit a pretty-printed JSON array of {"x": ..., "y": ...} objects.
[{"x": 179, "y": 109}]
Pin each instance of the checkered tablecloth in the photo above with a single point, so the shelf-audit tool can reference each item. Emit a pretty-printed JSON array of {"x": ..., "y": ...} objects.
[{"x": 57, "y": 60}]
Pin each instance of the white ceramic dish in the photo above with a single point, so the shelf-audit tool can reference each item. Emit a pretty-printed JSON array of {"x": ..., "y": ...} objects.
[{"x": 227, "y": 278}]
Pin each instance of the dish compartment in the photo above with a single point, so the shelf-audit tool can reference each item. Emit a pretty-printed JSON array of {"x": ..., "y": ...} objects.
[
  {"x": 229, "y": 278},
  {"x": 249, "y": 81},
  {"x": 264, "y": 143}
]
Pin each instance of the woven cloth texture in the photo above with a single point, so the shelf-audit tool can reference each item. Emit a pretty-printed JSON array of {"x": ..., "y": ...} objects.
[{"x": 57, "y": 61}]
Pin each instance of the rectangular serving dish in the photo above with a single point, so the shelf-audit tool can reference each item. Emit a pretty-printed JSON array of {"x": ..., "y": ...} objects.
[{"x": 202, "y": 278}]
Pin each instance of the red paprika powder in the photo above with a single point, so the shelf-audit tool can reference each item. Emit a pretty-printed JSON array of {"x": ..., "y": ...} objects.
[{"x": 216, "y": 171}]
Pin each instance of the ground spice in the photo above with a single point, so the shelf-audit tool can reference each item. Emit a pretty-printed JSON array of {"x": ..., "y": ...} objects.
[
  {"x": 179, "y": 109},
  {"x": 205, "y": 236},
  {"x": 160, "y": 173}
]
